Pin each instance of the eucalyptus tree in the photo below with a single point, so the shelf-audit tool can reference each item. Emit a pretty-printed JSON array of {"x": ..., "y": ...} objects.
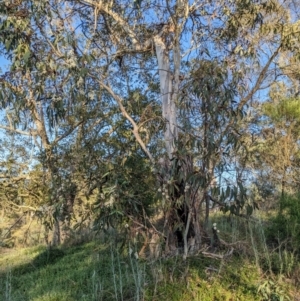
[
  {"x": 45, "y": 100},
  {"x": 173, "y": 32},
  {"x": 53, "y": 100},
  {"x": 277, "y": 150},
  {"x": 272, "y": 137},
  {"x": 73, "y": 59}
]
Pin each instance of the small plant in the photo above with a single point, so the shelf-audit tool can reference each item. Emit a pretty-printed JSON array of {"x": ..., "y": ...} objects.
[
  {"x": 271, "y": 291},
  {"x": 284, "y": 227},
  {"x": 8, "y": 287},
  {"x": 138, "y": 273}
]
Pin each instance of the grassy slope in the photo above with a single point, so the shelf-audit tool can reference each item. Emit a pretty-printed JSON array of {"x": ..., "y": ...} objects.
[{"x": 96, "y": 272}]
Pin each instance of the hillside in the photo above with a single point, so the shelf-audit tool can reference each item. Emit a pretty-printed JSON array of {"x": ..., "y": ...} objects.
[{"x": 99, "y": 271}]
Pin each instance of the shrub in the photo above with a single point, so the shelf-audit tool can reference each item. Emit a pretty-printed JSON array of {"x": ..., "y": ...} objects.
[{"x": 284, "y": 228}]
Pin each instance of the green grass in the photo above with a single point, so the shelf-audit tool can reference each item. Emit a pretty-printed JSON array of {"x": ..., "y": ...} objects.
[
  {"x": 94, "y": 271},
  {"x": 88, "y": 272},
  {"x": 99, "y": 271}
]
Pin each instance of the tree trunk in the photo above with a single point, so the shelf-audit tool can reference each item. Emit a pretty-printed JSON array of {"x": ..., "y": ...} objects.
[
  {"x": 168, "y": 103},
  {"x": 63, "y": 217},
  {"x": 170, "y": 134},
  {"x": 56, "y": 239},
  {"x": 196, "y": 224}
]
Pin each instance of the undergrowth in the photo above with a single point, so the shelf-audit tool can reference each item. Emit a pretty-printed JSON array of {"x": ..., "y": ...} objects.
[
  {"x": 101, "y": 271},
  {"x": 98, "y": 272}
]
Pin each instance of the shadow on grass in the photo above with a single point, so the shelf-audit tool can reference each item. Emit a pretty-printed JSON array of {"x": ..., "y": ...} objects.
[
  {"x": 48, "y": 256},
  {"x": 53, "y": 274},
  {"x": 88, "y": 272}
]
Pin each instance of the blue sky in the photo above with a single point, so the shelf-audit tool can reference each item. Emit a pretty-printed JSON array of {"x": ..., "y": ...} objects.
[{"x": 3, "y": 64}]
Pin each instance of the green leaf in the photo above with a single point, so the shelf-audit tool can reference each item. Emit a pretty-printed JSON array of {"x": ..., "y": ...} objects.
[
  {"x": 26, "y": 55},
  {"x": 249, "y": 210},
  {"x": 83, "y": 71},
  {"x": 7, "y": 44}
]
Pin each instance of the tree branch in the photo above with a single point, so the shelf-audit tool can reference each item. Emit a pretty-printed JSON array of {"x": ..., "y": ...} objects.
[
  {"x": 259, "y": 80},
  {"x": 67, "y": 133},
  {"x": 11, "y": 129},
  {"x": 137, "y": 45},
  {"x": 100, "y": 6},
  {"x": 135, "y": 129}
]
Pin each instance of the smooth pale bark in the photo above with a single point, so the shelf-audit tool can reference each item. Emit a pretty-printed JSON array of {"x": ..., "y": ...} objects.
[
  {"x": 168, "y": 103},
  {"x": 185, "y": 235}
]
